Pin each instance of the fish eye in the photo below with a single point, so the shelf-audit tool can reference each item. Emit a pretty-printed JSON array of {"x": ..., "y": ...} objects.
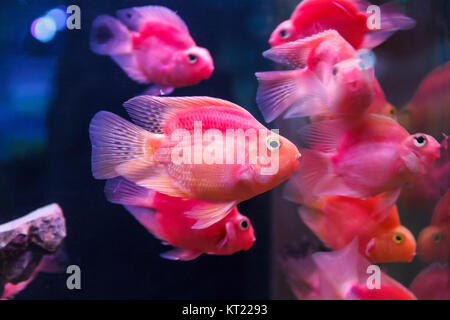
[
  {"x": 398, "y": 237},
  {"x": 273, "y": 143},
  {"x": 335, "y": 71},
  {"x": 192, "y": 58},
  {"x": 284, "y": 34},
  {"x": 392, "y": 112},
  {"x": 243, "y": 224},
  {"x": 437, "y": 237},
  {"x": 420, "y": 141}
]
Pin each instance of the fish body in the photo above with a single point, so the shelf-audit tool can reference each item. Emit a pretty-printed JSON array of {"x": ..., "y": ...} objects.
[
  {"x": 165, "y": 153},
  {"x": 433, "y": 283},
  {"x": 429, "y": 109},
  {"x": 434, "y": 240},
  {"x": 329, "y": 78},
  {"x": 348, "y": 17},
  {"x": 165, "y": 217},
  {"x": 152, "y": 44},
  {"x": 338, "y": 220},
  {"x": 359, "y": 159},
  {"x": 340, "y": 275}
]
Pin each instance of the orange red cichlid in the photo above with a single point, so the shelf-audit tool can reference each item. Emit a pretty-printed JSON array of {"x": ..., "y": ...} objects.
[
  {"x": 339, "y": 275},
  {"x": 330, "y": 77},
  {"x": 165, "y": 217},
  {"x": 178, "y": 149},
  {"x": 152, "y": 44},
  {"x": 433, "y": 283},
  {"x": 434, "y": 240},
  {"x": 338, "y": 220},
  {"x": 360, "y": 158},
  {"x": 348, "y": 17},
  {"x": 429, "y": 109}
]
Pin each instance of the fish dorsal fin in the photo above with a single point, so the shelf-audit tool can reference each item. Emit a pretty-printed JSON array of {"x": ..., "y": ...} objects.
[
  {"x": 151, "y": 112},
  {"x": 324, "y": 136},
  {"x": 295, "y": 54},
  {"x": 135, "y": 17}
]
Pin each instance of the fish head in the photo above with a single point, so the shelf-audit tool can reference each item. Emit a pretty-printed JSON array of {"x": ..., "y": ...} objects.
[
  {"x": 285, "y": 32},
  {"x": 239, "y": 234},
  {"x": 433, "y": 244},
  {"x": 277, "y": 159},
  {"x": 393, "y": 245},
  {"x": 419, "y": 152},
  {"x": 192, "y": 66},
  {"x": 351, "y": 87}
]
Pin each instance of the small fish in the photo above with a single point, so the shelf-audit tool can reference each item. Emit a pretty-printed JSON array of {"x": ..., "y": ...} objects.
[
  {"x": 434, "y": 240},
  {"x": 429, "y": 109},
  {"x": 179, "y": 147},
  {"x": 433, "y": 283},
  {"x": 338, "y": 220},
  {"x": 348, "y": 17},
  {"x": 330, "y": 77},
  {"x": 360, "y": 159},
  {"x": 152, "y": 44},
  {"x": 165, "y": 217},
  {"x": 340, "y": 275}
]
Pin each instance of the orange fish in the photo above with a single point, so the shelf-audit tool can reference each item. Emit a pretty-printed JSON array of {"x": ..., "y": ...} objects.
[
  {"x": 429, "y": 109},
  {"x": 152, "y": 44},
  {"x": 195, "y": 148},
  {"x": 165, "y": 217},
  {"x": 338, "y": 220},
  {"x": 433, "y": 283},
  {"x": 340, "y": 275},
  {"x": 360, "y": 158},
  {"x": 330, "y": 77},
  {"x": 434, "y": 240},
  {"x": 348, "y": 17}
]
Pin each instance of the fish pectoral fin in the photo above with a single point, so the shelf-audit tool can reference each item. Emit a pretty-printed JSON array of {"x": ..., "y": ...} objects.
[
  {"x": 208, "y": 213},
  {"x": 129, "y": 64},
  {"x": 229, "y": 237},
  {"x": 181, "y": 254},
  {"x": 158, "y": 90},
  {"x": 385, "y": 203}
]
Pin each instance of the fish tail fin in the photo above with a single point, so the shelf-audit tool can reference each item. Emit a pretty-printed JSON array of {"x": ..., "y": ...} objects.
[
  {"x": 298, "y": 90},
  {"x": 109, "y": 36},
  {"x": 119, "y": 147},
  {"x": 392, "y": 20},
  {"x": 121, "y": 191}
]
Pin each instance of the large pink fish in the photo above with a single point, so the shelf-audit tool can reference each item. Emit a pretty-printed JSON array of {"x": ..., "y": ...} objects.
[
  {"x": 340, "y": 275},
  {"x": 348, "y": 17},
  {"x": 433, "y": 283},
  {"x": 181, "y": 149},
  {"x": 360, "y": 158},
  {"x": 152, "y": 44},
  {"x": 165, "y": 217},
  {"x": 330, "y": 77}
]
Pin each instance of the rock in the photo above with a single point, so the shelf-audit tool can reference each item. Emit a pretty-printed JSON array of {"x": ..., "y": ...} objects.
[{"x": 24, "y": 241}]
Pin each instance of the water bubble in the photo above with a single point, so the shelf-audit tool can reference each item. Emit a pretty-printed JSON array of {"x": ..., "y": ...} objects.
[
  {"x": 367, "y": 59},
  {"x": 43, "y": 29}
]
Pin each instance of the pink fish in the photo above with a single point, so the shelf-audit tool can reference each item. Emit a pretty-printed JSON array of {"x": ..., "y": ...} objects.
[
  {"x": 165, "y": 217},
  {"x": 180, "y": 148},
  {"x": 152, "y": 44},
  {"x": 340, "y": 275},
  {"x": 360, "y": 159},
  {"x": 433, "y": 283},
  {"x": 348, "y": 17},
  {"x": 330, "y": 77}
]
